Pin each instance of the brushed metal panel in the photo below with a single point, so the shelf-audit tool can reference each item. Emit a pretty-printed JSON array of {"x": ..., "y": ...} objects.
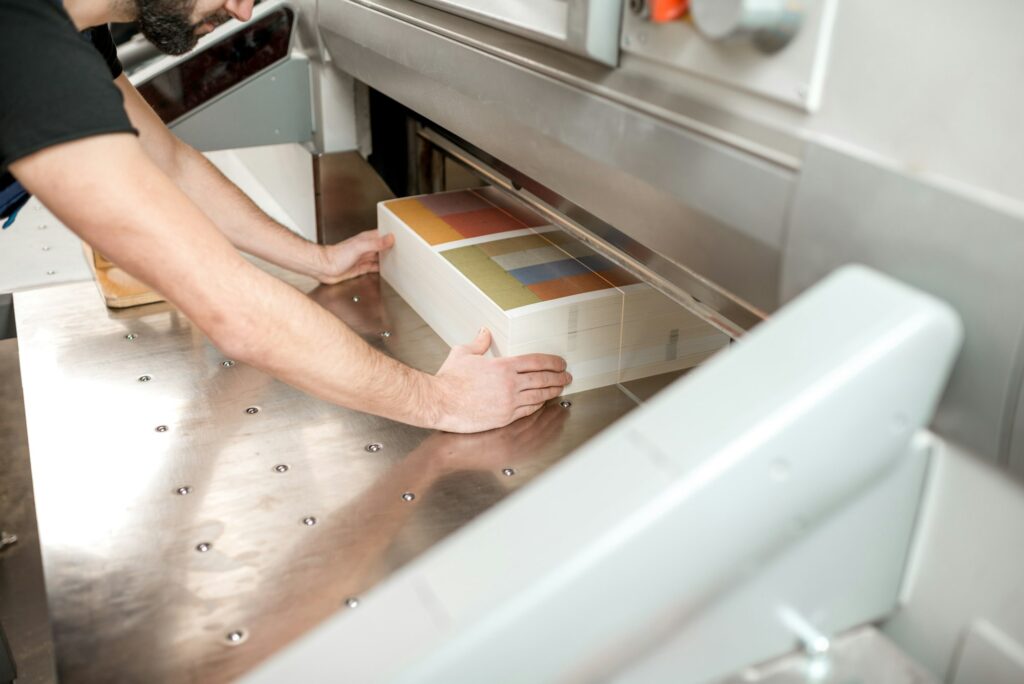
[
  {"x": 132, "y": 598},
  {"x": 347, "y": 190},
  {"x": 936, "y": 238},
  {"x": 276, "y": 107},
  {"x": 38, "y": 250},
  {"x": 712, "y": 208}
]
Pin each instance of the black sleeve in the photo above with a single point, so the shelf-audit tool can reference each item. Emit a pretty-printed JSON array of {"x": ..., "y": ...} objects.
[
  {"x": 104, "y": 43},
  {"x": 54, "y": 85}
]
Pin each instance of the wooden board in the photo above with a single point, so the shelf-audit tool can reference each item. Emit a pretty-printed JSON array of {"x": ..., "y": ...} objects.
[
  {"x": 469, "y": 258},
  {"x": 119, "y": 289}
]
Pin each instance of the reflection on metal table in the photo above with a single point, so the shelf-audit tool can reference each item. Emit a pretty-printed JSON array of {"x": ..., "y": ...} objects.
[{"x": 196, "y": 515}]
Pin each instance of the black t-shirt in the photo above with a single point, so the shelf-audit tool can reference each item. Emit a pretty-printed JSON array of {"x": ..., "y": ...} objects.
[{"x": 56, "y": 84}]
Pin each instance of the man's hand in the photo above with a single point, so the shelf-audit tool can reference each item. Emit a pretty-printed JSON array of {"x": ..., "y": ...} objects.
[
  {"x": 479, "y": 393},
  {"x": 353, "y": 257}
]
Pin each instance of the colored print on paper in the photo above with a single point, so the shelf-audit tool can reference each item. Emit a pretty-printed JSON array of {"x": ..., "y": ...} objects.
[
  {"x": 451, "y": 216},
  {"x": 529, "y": 269}
]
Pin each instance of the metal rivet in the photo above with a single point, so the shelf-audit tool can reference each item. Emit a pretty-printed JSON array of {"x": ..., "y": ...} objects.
[
  {"x": 235, "y": 637},
  {"x": 508, "y": 472},
  {"x": 252, "y": 410},
  {"x": 203, "y": 547},
  {"x": 145, "y": 378},
  {"x": 281, "y": 468},
  {"x": 352, "y": 602},
  {"x": 227, "y": 363},
  {"x": 355, "y": 299},
  {"x": 184, "y": 491},
  {"x": 374, "y": 447},
  {"x": 131, "y": 337},
  {"x": 309, "y": 521},
  {"x": 51, "y": 273},
  {"x": 408, "y": 496},
  {"x": 46, "y": 248},
  {"x": 565, "y": 403},
  {"x": 7, "y": 539},
  {"x": 385, "y": 333},
  {"x": 161, "y": 428}
]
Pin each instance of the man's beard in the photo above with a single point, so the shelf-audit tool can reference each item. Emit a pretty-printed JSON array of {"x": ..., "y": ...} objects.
[{"x": 167, "y": 24}]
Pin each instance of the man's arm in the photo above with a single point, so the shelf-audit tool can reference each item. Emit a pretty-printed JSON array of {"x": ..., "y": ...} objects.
[
  {"x": 108, "y": 191},
  {"x": 237, "y": 216}
]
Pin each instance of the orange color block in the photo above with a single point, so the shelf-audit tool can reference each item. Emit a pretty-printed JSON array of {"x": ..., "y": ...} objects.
[{"x": 423, "y": 221}]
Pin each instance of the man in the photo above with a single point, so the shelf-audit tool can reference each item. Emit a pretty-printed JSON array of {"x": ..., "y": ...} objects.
[{"x": 97, "y": 156}]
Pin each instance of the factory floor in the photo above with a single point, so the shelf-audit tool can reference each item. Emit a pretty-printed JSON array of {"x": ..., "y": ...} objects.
[{"x": 23, "y": 611}]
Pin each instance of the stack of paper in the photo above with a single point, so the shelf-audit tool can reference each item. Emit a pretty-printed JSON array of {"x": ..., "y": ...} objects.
[{"x": 473, "y": 258}]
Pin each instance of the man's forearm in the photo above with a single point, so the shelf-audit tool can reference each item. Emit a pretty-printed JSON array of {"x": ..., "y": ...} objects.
[
  {"x": 246, "y": 226},
  {"x": 287, "y": 335},
  {"x": 153, "y": 232}
]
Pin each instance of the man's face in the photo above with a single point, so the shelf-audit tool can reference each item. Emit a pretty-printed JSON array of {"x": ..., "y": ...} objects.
[{"x": 174, "y": 26}]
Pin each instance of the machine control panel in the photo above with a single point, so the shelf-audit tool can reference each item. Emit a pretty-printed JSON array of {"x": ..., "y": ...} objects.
[{"x": 774, "y": 48}]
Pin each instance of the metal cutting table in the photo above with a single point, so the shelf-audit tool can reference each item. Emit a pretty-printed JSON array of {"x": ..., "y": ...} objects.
[{"x": 197, "y": 515}]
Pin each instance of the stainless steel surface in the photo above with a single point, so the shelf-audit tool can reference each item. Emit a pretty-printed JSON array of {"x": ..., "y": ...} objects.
[
  {"x": 133, "y": 567},
  {"x": 929, "y": 235},
  {"x": 630, "y": 85},
  {"x": 686, "y": 288},
  {"x": 7, "y": 539},
  {"x": 735, "y": 46},
  {"x": 586, "y": 27},
  {"x": 276, "y": 107},
  {"x": 23, "y": 611},
  {"x": 645, "y": 388},
  {"x": 347, "y": 191},
  {"x": 24, "y": 263},
  {"x": 699, "y": 203},
  {"x": 860, "y": 655}
]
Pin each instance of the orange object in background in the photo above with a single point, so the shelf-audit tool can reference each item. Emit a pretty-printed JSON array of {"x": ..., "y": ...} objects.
[{"x": 668, "y": 10}]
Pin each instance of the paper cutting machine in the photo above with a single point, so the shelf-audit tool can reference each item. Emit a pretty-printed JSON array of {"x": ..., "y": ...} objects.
[{"x": 833, "y": 497}]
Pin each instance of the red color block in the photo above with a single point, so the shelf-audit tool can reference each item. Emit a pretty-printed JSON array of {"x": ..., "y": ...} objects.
[{"x": 482, "y": 222}]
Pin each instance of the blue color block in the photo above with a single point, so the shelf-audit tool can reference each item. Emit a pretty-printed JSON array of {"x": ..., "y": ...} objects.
[{"x": 552, "y": 270}]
